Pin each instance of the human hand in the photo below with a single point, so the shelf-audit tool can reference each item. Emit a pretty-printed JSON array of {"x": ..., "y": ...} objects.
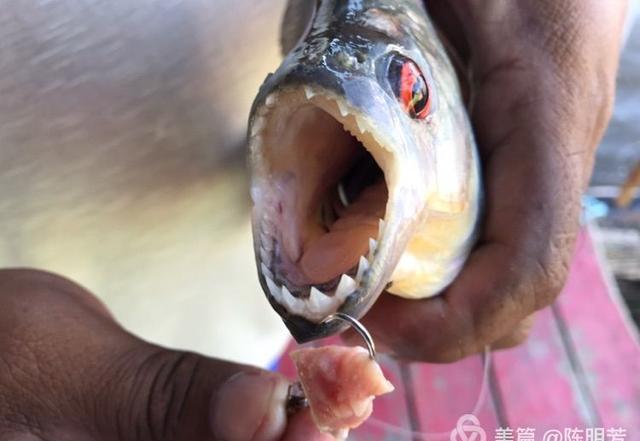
[
  {"x": 69, "y": 372},
  {"x": 543, "y": 78}
]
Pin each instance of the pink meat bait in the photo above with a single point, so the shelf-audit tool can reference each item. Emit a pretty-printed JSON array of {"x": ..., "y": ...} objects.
[{"x": 340, "y": 384}]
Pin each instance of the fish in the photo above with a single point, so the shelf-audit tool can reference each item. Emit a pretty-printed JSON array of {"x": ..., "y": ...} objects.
[{"x": 365, "y": 175}]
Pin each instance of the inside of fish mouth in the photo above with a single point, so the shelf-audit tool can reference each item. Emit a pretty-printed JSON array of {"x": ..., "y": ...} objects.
[{"x": 330, "y": 195}]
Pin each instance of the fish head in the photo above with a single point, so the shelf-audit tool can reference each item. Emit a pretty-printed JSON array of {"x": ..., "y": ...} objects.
[{"x": 344, "y": 139}]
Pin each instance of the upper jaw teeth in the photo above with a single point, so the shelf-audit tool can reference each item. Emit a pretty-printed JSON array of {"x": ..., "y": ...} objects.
[
  {"x": 342, "y": 108},
  {"x": 308, "y": 92},
  {"x": 318, "y": 305},
  {"x": 266, "y": 271}
]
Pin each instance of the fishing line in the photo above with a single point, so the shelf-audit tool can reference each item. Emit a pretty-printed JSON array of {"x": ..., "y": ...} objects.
[{"x": 397, "y": 430}]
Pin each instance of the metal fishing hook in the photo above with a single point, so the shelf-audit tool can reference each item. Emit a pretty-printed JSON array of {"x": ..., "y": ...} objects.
[
  {"x": 358, "y": 327},
  {"x": 296, "y": 398}
]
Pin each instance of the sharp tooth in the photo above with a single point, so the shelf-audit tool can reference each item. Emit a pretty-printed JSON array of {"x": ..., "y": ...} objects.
[
  {"x": 267, "y": 242},
  {"x": 293, "y": 305},
  {"x": 257, "y": 126},
  {"x": 363, "y": 267},
  {"x": 270, "y": 100},
  {"x": 373, "y": 244},
  {"x": 380, "y": 140},
  {"x": 267, "y": 238},
  {"x": 342, "y": 108},
  {"x": 361, "y": 125},
  {"x": 308, "y": 92},
  {"x": 274, "y": 290},
  {"x": 255, "y": 143},
  {"x": 265, "y": 256},
  {"x": 262, "y": 111},
  {"x": 266, "y": 271},
  {"x": 346, "y": 286},
  {"x": 380, "y": 228},
  {"x": 342, "y": 195},
  {"x": 267, "y": 226},
  {"x": 318, "y": 302}
]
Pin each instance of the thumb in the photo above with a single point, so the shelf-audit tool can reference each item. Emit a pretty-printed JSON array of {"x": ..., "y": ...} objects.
[
  {"x": 175, "y": 395},
  {"x": 167, "y": 395},
  {"x": 185, "y": 396},
  {"x": 90, "y": 379}
]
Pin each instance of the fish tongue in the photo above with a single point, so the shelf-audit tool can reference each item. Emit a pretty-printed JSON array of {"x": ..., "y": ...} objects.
[{"x": 337, "y": 251}]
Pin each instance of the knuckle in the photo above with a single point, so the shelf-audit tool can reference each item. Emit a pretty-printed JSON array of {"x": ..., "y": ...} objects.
[
  {"x": 551, "y": 269},
  {"x": 157, "y": 391},
  {"x": 26, "y": 294}
]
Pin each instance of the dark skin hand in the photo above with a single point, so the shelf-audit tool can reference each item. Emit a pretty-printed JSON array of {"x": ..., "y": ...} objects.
[
  {"x": 543, "y": 78},
  {"x": 543, "y": 82},
  {"x": 69, "y": 372}
]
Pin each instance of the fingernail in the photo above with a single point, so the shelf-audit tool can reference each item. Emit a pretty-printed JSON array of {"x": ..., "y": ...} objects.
[{"x": 250, "y": 407}]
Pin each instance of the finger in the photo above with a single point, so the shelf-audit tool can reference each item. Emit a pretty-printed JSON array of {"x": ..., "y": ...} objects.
[
  {"x": 301, "y": 427},
  {"x": 249, "y": 406},
  {"x": 89, "y": 378}
]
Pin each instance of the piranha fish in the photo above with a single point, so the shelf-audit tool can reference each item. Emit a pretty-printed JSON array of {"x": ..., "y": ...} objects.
[{"x": 365, "y": 173}]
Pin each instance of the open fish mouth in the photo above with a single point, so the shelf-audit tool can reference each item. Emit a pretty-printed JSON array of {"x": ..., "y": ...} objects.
[
  {"x": 365, "y": 174},
  {"x": 320, "y": 193}
]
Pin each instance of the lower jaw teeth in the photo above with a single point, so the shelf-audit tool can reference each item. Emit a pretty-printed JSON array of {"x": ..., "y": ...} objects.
[
  {"x": 265, "y": 257},
  {"x": 318, "y": 301},
  {"x": 315, "y": 307},
  {"x": 318, "y": 305},
  {"x": 373, "y": 245},
  {"x": 363, "y": 267},
  {"x": 346, "y": 286},
  {"x": 266, "y": 271}
]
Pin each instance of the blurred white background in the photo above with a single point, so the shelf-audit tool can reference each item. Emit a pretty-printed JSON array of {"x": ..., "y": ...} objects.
[{"x": 122, "y": 127}]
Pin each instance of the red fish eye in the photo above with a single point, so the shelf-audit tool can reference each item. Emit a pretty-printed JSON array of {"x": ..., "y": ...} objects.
[{"x": 409, "y": 87}]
